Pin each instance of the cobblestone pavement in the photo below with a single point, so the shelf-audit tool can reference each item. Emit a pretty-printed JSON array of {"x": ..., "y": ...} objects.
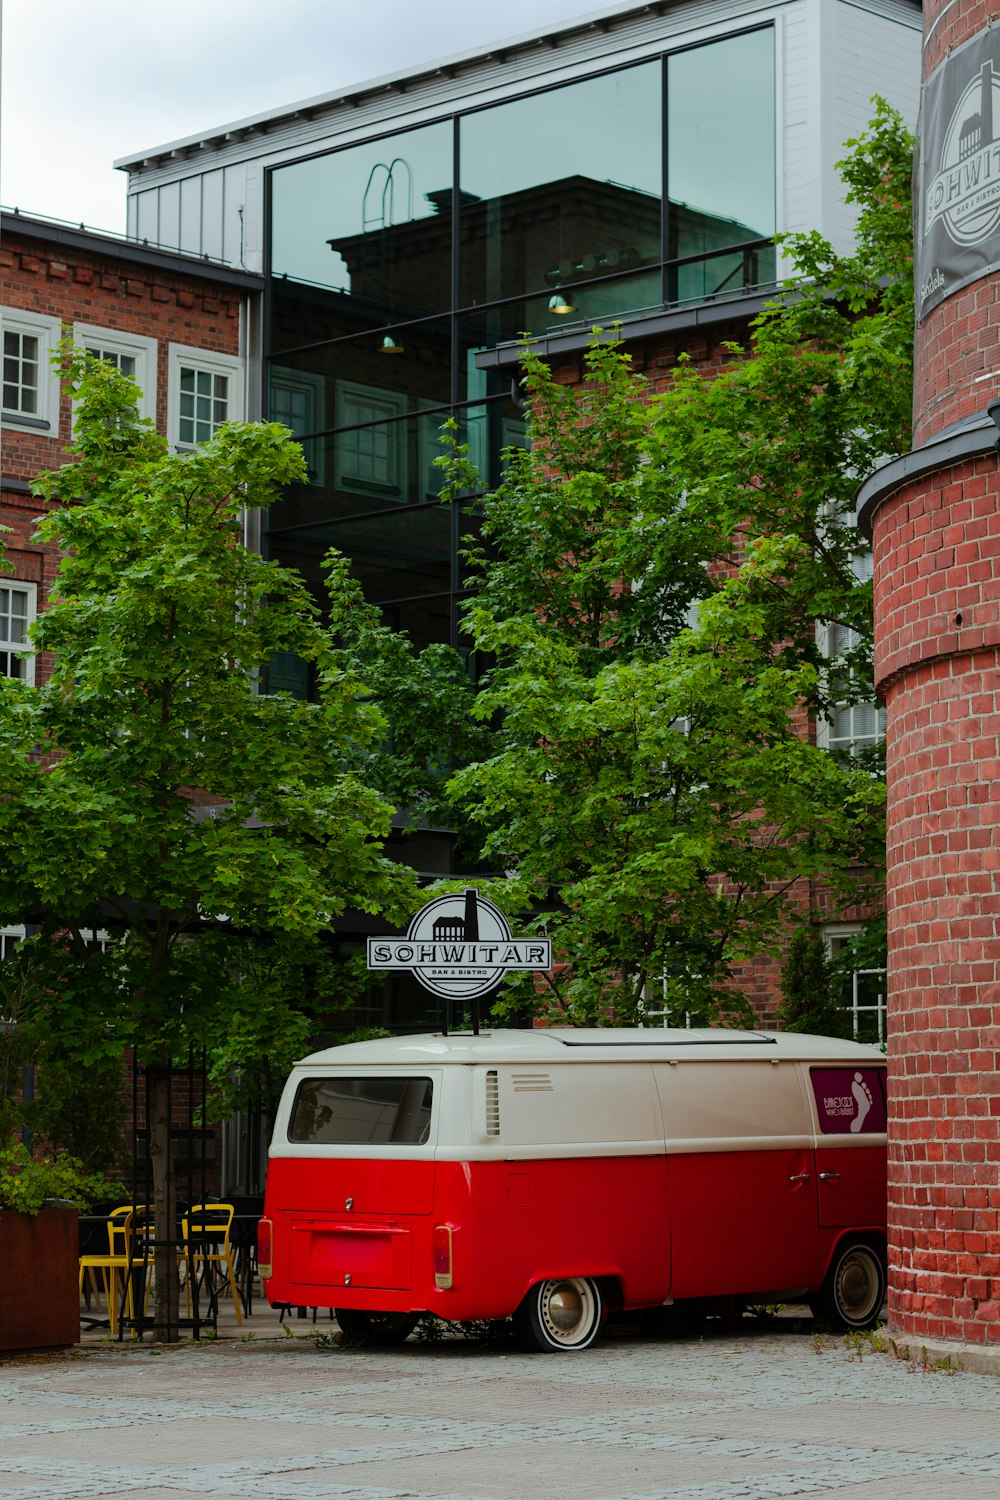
[{"x": 738, "y": 1416}]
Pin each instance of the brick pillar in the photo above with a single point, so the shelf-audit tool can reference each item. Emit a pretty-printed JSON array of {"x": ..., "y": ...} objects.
[{"x": 935, "y": 523}]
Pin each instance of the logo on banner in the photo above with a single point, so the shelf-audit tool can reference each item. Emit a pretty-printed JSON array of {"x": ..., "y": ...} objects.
[
  {"x": 460, "y": 948},
  {"x": 964, "y": 194}
]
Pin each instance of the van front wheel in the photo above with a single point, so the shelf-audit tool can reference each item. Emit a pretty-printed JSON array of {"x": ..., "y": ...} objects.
[
  {"x": 560, "y": 1316},
  {"x": 374, "y": 1327},
  {"x": 854, "y": 1289}
]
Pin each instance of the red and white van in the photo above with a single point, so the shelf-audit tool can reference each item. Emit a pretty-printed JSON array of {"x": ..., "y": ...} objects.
[{"x": 548, "y": 1175}]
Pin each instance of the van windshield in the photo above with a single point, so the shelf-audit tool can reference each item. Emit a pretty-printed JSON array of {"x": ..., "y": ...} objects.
[{"x": 345, "y": 1111}]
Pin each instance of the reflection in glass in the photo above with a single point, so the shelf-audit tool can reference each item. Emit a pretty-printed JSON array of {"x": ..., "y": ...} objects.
[
  {"x": 561, "y": 186},
  {"x": 396, "y": 554},
  {"x": 369, "y": 465},
  {"x": 363, "y": 1111},
  {"x": 721, "y": 162},
  {"x": 415, "y": 375},
  {"x": 372, "y": 222},
  {"x": 489, "y": 430}
]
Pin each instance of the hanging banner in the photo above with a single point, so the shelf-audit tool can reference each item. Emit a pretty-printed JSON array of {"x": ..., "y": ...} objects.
[
  {"x": 460, "y": 947},
  {"x": 958, "y": 176}
]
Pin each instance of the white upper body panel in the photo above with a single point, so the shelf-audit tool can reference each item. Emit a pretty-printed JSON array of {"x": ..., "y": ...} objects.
[{"x": 562, "y": 1092}]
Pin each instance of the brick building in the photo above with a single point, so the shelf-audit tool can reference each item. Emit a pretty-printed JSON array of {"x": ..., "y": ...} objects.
[
  {"x": 634, "y": 166},
  {"x": 180, "y": 325},
  {"x": 935, "y": 522}
]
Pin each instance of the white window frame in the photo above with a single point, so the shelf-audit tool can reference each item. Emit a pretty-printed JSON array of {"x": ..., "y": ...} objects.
[
  {"x": 184, "y": 356},
  {"x": 835, "y": 934},
  {"x": 313, "y": 387},
  {"x": 135, "y": 345},
  {"x": 48, "y": 331},
  {"x": 826, "y": 738},
  {"x": 9, "y": 939},
  {"x": 393, "y": 403},
  {"x": 30, "y": 592}
]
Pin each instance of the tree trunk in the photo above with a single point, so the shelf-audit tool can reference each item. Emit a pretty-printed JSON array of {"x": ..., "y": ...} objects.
[{"x": 165, "y": 1322}]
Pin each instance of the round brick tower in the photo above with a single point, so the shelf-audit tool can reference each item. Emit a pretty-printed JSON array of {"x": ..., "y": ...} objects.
[{"x": 934, "y": 517}]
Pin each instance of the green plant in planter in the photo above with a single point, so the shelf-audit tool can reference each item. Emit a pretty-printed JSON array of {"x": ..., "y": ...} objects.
[{"x": 28, "y": 1182}]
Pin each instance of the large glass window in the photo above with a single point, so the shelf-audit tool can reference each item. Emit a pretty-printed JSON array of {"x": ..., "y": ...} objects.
[
  {"x": 561, "y": 187},
  {"x": 372, "y": 223},
  {"x": 575, "y": 205},
  {"x": 721, "y": 163},
  {"x": 361, "y": 1111}
]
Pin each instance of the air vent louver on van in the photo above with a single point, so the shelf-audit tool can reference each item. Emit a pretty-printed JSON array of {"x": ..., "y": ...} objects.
[
  {"x": 531, "y": 1083},
  {"x": 492, "y": 1103}
]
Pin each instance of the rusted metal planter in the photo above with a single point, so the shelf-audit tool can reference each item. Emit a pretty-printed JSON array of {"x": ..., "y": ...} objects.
[{"x": 39, "y": 1280}]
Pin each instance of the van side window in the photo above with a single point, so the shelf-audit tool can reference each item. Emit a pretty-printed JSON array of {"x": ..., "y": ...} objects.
[
  {"x": 361, "y": 1111},
  {"x": 849, "y": 1100}
]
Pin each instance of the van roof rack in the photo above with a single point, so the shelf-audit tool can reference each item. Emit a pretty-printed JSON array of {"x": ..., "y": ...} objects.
[{"x": 660, "y": 1037}]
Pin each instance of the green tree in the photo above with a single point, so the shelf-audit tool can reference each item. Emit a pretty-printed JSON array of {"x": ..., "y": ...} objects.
[
  {"x": 653, "y": 574},
  {"x": 146, "y": 787},
  {"x": 809, "y": 995}
]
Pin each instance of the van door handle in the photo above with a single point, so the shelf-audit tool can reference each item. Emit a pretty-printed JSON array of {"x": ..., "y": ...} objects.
[
  {"x": 828, "y": 1176},
  {"x": 800, "y": 1177}
]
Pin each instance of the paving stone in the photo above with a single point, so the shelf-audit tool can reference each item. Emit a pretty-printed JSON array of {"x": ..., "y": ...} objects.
[{"x": 747, "y": 1417}]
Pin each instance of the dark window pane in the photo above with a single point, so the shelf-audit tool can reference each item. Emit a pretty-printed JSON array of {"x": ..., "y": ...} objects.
[
  {"x": 287, "y": 673},
  {"x": 395, "y": 555},
  {"x": 372, "y": 222},
  {"x": 407, "y": 368},
  {"x": 370, "y": 466},
  {"x": 488, "y": 430},
  {"x": 362, "y": 1111},
  {"x": 721, "y": 161},
  {"x": 561, "y": 186}
]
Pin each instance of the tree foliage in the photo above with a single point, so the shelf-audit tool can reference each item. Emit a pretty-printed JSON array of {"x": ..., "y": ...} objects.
[
  {"x": 146, "y": 787},
  {"x": 650, "y": 583}
]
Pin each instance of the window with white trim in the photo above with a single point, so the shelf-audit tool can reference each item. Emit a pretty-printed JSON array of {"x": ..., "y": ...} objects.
[
  {"x": 131, "y": 353},
  {"x": 9, "y": 939},
  {"x": 17, "y": 611},
  {"x": 205, "y": 389},
  {"x": 863, "y": 990},
  {"x": 849, "y": 726},
  {"x": 30, "y": 384}
]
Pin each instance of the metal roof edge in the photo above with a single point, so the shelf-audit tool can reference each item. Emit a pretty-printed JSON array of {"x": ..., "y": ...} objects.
[
  {"x": 970, "y": 440},
  {"x": 319, "y": 102},
  {"x": 115, "y": 248}
]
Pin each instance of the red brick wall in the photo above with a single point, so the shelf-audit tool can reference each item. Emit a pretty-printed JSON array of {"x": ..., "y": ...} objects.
[
  {"x": 937, "y": 633},
  {"x": 129, "y": 296}
]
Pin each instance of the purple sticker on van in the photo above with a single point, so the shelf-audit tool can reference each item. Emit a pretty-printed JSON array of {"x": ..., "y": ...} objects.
[{"x": 849, "y": 1101}]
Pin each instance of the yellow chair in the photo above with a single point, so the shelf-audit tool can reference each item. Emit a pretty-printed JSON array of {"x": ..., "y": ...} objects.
[
  {"x": 118, "y": 1259},
  {"x": 205, "y": 1229}
]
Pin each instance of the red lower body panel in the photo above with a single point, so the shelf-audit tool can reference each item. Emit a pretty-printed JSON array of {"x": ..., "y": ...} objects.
[{"x": 513, "y": 1224}]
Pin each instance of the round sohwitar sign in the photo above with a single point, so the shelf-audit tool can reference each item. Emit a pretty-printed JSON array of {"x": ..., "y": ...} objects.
[{"x": 459, "y": 947}]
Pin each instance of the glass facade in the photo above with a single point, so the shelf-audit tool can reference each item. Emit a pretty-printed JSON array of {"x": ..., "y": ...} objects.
[{"x": 396, "y": 262}]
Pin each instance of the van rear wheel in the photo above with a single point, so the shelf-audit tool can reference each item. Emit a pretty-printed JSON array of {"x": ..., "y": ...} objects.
[
  {"x": 375, "y": 1327},
  {"x": 561, "y": 1316},
  {"x": 854, "y": 1290}
]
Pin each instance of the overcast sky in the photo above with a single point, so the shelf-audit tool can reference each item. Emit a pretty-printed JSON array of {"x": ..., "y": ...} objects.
[{"x": 88, "y": 81}]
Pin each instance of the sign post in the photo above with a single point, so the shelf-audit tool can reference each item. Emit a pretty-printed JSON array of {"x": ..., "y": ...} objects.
[{"x": 460, "y": 948}]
